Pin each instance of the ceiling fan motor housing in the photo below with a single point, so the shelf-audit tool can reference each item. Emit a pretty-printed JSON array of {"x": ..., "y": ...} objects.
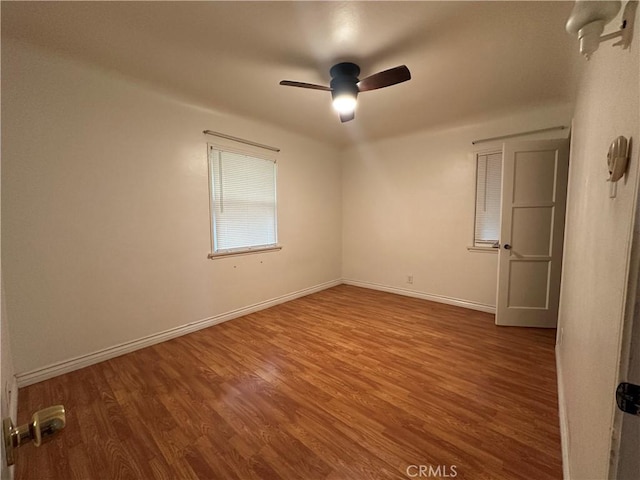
[
  {"x": 344, "y": 79},
  {"x": 345, "y": 69}
]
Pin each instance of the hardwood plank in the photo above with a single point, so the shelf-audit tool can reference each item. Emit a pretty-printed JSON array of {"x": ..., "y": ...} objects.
[{"x": 344, "y": 383}]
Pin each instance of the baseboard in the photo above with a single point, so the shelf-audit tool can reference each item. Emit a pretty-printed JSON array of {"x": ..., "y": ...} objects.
[
  {"x": 66, "y": 366},
  {"x": 564, "y": 422},
  {"x": 76, "y": 363},
  {"x": 425, "y": 296}
]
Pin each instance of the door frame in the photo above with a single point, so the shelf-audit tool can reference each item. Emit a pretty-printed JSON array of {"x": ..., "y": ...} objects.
[{"x": 629, "y": 346}]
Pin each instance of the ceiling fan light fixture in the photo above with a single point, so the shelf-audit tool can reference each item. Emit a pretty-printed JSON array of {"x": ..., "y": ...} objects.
[
  {"x": 344, "y": 92},
  {"x": 344, "y": 103}
]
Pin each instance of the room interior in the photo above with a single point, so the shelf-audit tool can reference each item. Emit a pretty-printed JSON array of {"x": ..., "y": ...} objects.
[{"x": 106, "y": 226}]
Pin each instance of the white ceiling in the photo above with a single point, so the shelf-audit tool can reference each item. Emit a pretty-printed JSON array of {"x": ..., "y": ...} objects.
[{"x": 467, "y": 59}]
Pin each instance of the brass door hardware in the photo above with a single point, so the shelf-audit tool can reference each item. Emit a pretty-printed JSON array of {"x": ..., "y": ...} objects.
[{"x": 44, "y": 425}]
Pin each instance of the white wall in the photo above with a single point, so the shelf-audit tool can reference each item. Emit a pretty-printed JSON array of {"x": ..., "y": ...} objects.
[
  {"x": 597, "y": 249},
  {"x": 409, "y": 209},
  {"x": 105, "y": 211},
  {"x": 8, "y": 386}
]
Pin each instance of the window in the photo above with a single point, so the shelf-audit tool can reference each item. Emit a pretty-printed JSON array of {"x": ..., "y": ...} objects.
[
  {"x": 243, "y": 202},
  {"x": 488, "y": 189}
]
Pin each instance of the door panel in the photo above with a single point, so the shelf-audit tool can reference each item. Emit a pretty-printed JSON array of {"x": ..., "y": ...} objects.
[
  {"x": 531, "y": 230},
  {"x": 534, "y": 188},
  {"x": 529, "y": 285},
  {"x": 533, "y": 176}
]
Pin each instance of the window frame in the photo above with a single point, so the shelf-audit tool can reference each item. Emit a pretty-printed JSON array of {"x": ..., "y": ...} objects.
[
  {"x": 258, "y": 154},
  {"x": 485, "y": 247}
]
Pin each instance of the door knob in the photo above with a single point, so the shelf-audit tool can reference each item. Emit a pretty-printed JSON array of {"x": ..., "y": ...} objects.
[
  {"x": 507, "y": 246},
  {"x": 44, "y": 425}
]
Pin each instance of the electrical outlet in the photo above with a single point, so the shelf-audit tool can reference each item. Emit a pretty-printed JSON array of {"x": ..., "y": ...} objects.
[{"x": 410, "y": 279}]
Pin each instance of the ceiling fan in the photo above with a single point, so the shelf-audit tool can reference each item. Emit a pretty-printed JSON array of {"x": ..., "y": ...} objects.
[{"x": 345, "y": 85}]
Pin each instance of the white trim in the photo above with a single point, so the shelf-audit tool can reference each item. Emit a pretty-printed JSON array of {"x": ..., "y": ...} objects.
[
  {"x": 493, "y": 250},
  {"x": 244, "y": 251},
  {"x": 564, "y": 421},
  {"x": 241, "y": 140},
  {"x": 248, "y": 151},
  {"x": 76, "y": 363},
  {"x": 12, "y": 408},
  {"x": 424, "y": 296}
]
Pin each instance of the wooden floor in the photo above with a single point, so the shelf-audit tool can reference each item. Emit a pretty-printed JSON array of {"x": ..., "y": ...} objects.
[{"x": 345, "y": 384}]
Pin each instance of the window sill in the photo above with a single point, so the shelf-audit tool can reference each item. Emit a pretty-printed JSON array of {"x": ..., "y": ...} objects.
[
  {"x": 249, "y": 251},
  {"x": 483, "y": 249}
]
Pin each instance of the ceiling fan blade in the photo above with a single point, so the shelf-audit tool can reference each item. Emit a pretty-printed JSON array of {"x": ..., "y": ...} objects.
[
  {"x": 385, "y": 79},
  {"x": 345, "y": 117},
  {"x": 290, "y": 83}
]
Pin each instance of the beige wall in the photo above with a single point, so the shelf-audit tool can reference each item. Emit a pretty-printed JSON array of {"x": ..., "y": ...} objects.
[
  {"x": 105, "y": 211},
  {"x": 597, "y": 250},
  {"x": 409, "y": 209},
  {"x": 8, "y": 387}
]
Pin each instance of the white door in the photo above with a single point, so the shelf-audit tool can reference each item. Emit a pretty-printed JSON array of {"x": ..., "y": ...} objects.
[{"x": 534, "y": 195}]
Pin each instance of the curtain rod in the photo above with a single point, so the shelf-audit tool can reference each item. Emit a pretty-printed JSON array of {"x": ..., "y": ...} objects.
[
  {"x": 240, "y": 140},
  {"x": 530, "y": 132}
]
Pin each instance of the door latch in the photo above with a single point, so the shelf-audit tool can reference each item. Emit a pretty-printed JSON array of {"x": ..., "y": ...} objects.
[
  {"x": 44, "y": 425},
  {"x": 628, "y": 398}
]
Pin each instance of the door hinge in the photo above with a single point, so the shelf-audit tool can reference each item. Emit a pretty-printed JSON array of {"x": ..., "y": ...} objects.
[{"x": 628, "y": 398}]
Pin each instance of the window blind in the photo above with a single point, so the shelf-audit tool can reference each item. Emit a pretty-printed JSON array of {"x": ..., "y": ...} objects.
[
  {"x": 243, "y": 196},
  {"x": 488, "y": 192}
]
